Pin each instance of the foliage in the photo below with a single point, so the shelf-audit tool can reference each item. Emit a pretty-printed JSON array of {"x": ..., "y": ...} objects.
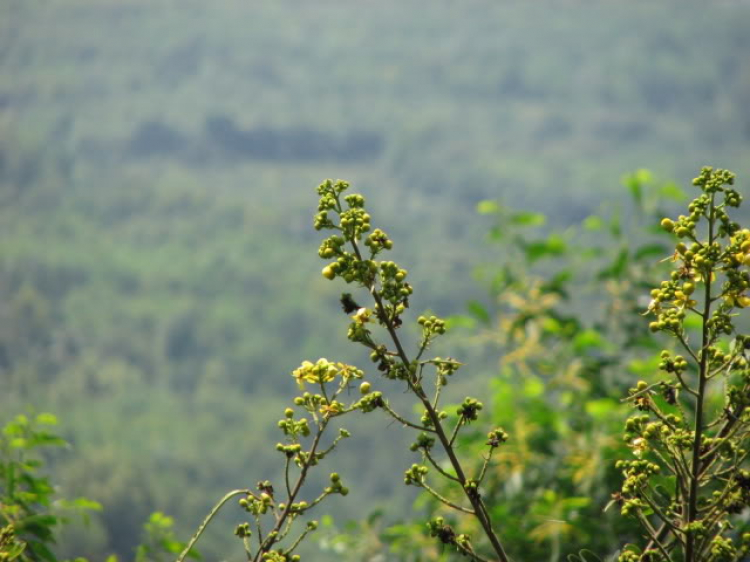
[
  {"x": 28, "y": 515},
  {"x": 29, "y": 512}
]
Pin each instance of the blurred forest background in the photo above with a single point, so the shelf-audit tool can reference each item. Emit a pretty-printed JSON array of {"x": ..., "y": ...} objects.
[{"x": 158, "y": 269}]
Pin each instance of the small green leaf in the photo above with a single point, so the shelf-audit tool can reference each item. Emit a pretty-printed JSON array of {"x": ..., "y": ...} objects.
[
  {"x": 588, "y": 339},
  {"x": 593, "y": 222},
  {"x": 553, "y": 246},
  {"x": 576, "y": 502},
  {"x": 496, "y": 233},
  {"x": 488, "y": 207},
  {"x": 672, "y": 191},
  {"x": 459, "y": 321},
  {"x": 601, "y": 409},
  {"x": 478, "y": 310},
  {"x": 533, "y": 387},
  {"x": 635, "y": 187},
  {"x": 18, "y": 443},
  {"x": 46, "y": 419},
  {"x": 615, "y": 227},
  {"x": 650, "y": 250},
  {"x": 43, "y": 438},
  {"x": 528, "y": 219},
  {"x": 617, "y": 268},
  {"x": 81, "y": 503},
  {"x": 15, "y": 551}
]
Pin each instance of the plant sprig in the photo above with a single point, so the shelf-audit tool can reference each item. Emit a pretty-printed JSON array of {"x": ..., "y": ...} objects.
[
  {"x": 355, "y": 261},
  {"x": 268, "y": 536},
  {"x": 690, "y": 473}
]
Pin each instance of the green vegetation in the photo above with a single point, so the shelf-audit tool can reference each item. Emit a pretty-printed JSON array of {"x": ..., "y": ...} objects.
[{"x": 155, "y": 166}]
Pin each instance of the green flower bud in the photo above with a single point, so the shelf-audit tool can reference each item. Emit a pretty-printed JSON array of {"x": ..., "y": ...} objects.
[
  {"x": 667, "y": 224},
  {"x": 364, "y": 388}
]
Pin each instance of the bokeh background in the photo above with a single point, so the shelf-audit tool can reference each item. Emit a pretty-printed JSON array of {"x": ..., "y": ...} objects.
[{"x": 159, "y": 278}]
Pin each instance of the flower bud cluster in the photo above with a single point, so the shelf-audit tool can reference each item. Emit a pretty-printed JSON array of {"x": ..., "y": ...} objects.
[
  {"x": 446, "y": 535},
  {"x": 415, "y": 475},
  {"x": 294, "y": 428},
  {"x": 378, "y": 241},
  {"x": 243, "y": 530},
  {"x": 279, "y": 556},
  {"x": 637, "y": 473},
  {"x": 431, "y": 326},
  {"x": 469, "y": 409},
  {"x": 496, "y": 437},
  {"x": 332, "y": 246},
  {"x": 393, "y": 287},
  {"x": 426, "y": 419},
  {"x": 723, "y": 550},
  {"x": 424, "y": 442},
  {"x": 257, "y": 505},
  {"x": 444, "y": 368},
  {"x": 677, "y": 365},
  {"x": 336, "y": 486},
  {"x": 370, "y": 402}
]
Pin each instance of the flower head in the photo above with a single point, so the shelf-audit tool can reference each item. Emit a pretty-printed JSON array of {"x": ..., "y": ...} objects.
[{"x": 321, "y": 372}]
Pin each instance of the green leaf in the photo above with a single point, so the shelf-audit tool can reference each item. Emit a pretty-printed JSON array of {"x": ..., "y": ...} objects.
[
  {"x": 528, "y": 219},
  {"x": 478, "y": 310},
  {"x": 553, "y": 246},
  {"x": 635, "y": 187},
  {"x": 459, "y": 321},
  {"x": 81, "y": 503},
  {"x": 601, "y": 409},
  {"x": 650, "y": 250},
  {"x": 617, "y": 268},
  {"x": 692, "y": 322},
  {"x": 43, "y": 438},
  {"x": 496, "y": 233},
  {"x": 46, "y": 419},
  {"x": 672, "y": 191},
  {"x": 588, "y": 339},
  {"x": 488, "y": 207},
  {"x": 578, "y": 502},
  {"x": 14, "y": 551},
  {"x": 615, "y": 227},
  {"x": 533, "y": 387},
  {"x": 593, "y": 223}
]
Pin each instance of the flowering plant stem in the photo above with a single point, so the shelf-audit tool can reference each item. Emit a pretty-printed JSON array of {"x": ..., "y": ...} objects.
[{"x": 480, "y": 510}]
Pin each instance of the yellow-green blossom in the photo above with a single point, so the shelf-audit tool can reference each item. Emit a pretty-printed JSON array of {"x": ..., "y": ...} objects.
[
  {"x": 321, "y": 372},
  {"x": 362, "y": 316}
]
